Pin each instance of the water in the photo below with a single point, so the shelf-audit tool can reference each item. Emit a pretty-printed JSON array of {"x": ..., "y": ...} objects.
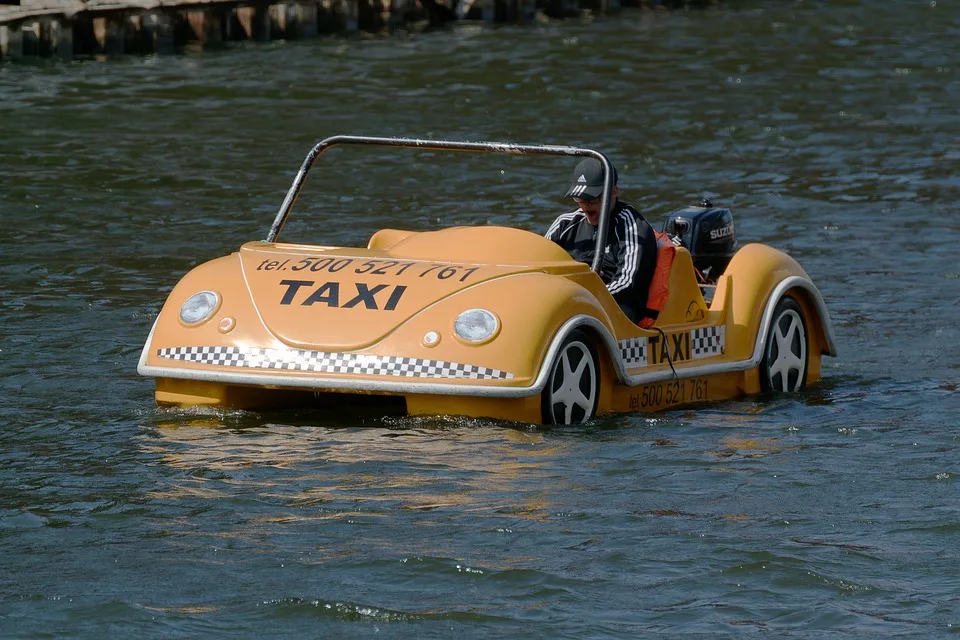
[{"x": 831, "y": 129}]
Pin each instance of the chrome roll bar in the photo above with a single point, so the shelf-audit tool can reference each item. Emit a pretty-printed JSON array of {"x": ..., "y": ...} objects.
[{"x": 452, "y": 145}]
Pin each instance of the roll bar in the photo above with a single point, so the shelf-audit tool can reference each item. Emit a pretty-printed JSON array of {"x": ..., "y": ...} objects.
[{"x": 451, "y": 145}]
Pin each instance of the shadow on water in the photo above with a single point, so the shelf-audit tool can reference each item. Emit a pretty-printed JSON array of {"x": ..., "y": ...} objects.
[{"x": 338, "y": 411}]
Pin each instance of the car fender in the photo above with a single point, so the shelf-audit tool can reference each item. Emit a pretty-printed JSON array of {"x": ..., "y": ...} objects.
[
  {"x": 223, "y": 276},
  {"x": 804, "y": 289},
  {"x": 756, "y": 278}
]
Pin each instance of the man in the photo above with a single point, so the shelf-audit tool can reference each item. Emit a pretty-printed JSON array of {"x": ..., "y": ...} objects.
[{"x": 630, "y": 255}]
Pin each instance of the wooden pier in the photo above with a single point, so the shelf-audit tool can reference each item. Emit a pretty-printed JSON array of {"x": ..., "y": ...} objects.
[{"x": 92, "y": 28}]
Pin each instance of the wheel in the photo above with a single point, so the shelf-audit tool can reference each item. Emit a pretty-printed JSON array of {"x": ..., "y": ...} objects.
[
  {"x": 784, "y": 364},
  {"x": 573, "y": 388}
]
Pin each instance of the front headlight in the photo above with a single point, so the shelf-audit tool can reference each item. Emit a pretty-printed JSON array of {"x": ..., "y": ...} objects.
[
  {"x": 476, "y": 326},
  {"x": 199, "y": 307}
]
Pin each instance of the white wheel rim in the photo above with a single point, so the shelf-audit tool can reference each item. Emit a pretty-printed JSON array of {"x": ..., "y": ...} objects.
[
  {"x": 787, "y": 352},
  {"x": 569, "y": 394}
]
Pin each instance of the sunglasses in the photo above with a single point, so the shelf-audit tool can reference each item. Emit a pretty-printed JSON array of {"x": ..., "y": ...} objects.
[{"x": 582, "y": 200}]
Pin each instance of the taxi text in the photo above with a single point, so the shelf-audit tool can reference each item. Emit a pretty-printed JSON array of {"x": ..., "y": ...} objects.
[
  {"x": 669, "y": 347},
  {"x": 354, "y": 294}
]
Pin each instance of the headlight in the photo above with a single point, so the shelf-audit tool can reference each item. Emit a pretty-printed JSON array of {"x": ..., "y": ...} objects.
[
  {"x": 199, "y": 307},
  {"x": 476, "y": 325}
]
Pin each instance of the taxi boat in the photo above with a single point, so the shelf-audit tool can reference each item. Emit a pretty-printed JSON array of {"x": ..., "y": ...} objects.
[{"x": 482, "y": 321}]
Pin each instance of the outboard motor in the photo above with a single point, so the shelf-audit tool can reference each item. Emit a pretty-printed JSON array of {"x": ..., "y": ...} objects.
[{"x": 707, "y": 232}]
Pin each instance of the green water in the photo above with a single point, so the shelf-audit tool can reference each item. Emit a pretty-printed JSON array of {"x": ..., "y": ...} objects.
[{"x": 830, "y": 129}]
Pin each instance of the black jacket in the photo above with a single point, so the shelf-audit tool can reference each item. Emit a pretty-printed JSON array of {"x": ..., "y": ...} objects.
[{"x": 630, "y": 257}]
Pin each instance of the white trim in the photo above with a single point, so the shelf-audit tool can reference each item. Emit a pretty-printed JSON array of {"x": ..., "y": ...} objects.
[
  {"x": 778, "y": 291},
  {"x": 498, "y": 391},
  {"x": 142, "y": 363},
  {"x": 313, "y": 382}
]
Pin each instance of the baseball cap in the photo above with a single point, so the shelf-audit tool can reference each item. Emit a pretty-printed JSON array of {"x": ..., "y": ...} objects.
[{"x": 588, "y": 179}]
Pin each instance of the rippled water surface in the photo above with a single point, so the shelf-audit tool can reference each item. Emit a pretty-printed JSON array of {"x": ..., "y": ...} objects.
[{"x": 831, "y": 129}]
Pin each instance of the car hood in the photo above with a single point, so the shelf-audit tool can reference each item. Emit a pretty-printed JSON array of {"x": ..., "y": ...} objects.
[{"x": 341, "y": 299}]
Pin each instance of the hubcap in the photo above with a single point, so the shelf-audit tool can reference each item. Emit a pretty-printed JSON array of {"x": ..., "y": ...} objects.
[
  {"x": 787, "y": 353},
  {"x": 574, "y": 388}
]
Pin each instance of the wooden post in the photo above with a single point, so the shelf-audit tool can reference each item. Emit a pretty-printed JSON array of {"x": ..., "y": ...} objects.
[
  {"x": 488, "y": 10},
  {"x": 9, "y": 42},
  {"x": 202, "y": 28},
  {"x": 115, "y": 36},
  {"x": 134, "y": 36},
  {"x": 30, "y": 37},
  {"x": 385, "y": 12},
  {"x": 59, "y": 38},
  {"x": 528, "y": 10},
  {"x": 242, "y": 17},
  {"x": 108, "y": 34},
  {"x": 306, "y": 19},
  {"x": 157, "y": 30},
  {"x": 100, "y": 32},
  {"x": 4, "y": 41},
  {"x": 195, "y": 19},
  {"x": 262, "y": 24},
  {"x": 350, "y": 10},
  {"x": 397, "y": 11},
  {"x": 329, "y": 16},
  {"x": 280, "y": 20},
  {"x": 292, "y": 15},
  {"x": 215, "y": 17}
]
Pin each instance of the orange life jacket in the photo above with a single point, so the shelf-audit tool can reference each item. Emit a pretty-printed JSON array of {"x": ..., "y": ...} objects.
[{"x": 660, "y": 284}]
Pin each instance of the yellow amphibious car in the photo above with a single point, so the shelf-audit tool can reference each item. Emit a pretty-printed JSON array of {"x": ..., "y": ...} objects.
[{"x": 479, "y": 321}]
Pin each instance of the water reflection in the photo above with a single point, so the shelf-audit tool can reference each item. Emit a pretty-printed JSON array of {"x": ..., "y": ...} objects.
[{"x": 321, "y": 472}]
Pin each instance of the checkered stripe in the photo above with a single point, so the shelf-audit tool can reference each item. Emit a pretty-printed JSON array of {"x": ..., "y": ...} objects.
[
  {"x": 707, "y": 342},
  {"x": 327, "y": 362},
  {"x": 633, "y": 351}
]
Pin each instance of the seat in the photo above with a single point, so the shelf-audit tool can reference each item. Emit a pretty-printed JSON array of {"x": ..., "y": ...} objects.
[{"x": 685, "y": 301}]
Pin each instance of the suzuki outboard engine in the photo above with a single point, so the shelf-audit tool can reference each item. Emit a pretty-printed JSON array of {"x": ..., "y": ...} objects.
[{"x": 707, "y": 233}]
